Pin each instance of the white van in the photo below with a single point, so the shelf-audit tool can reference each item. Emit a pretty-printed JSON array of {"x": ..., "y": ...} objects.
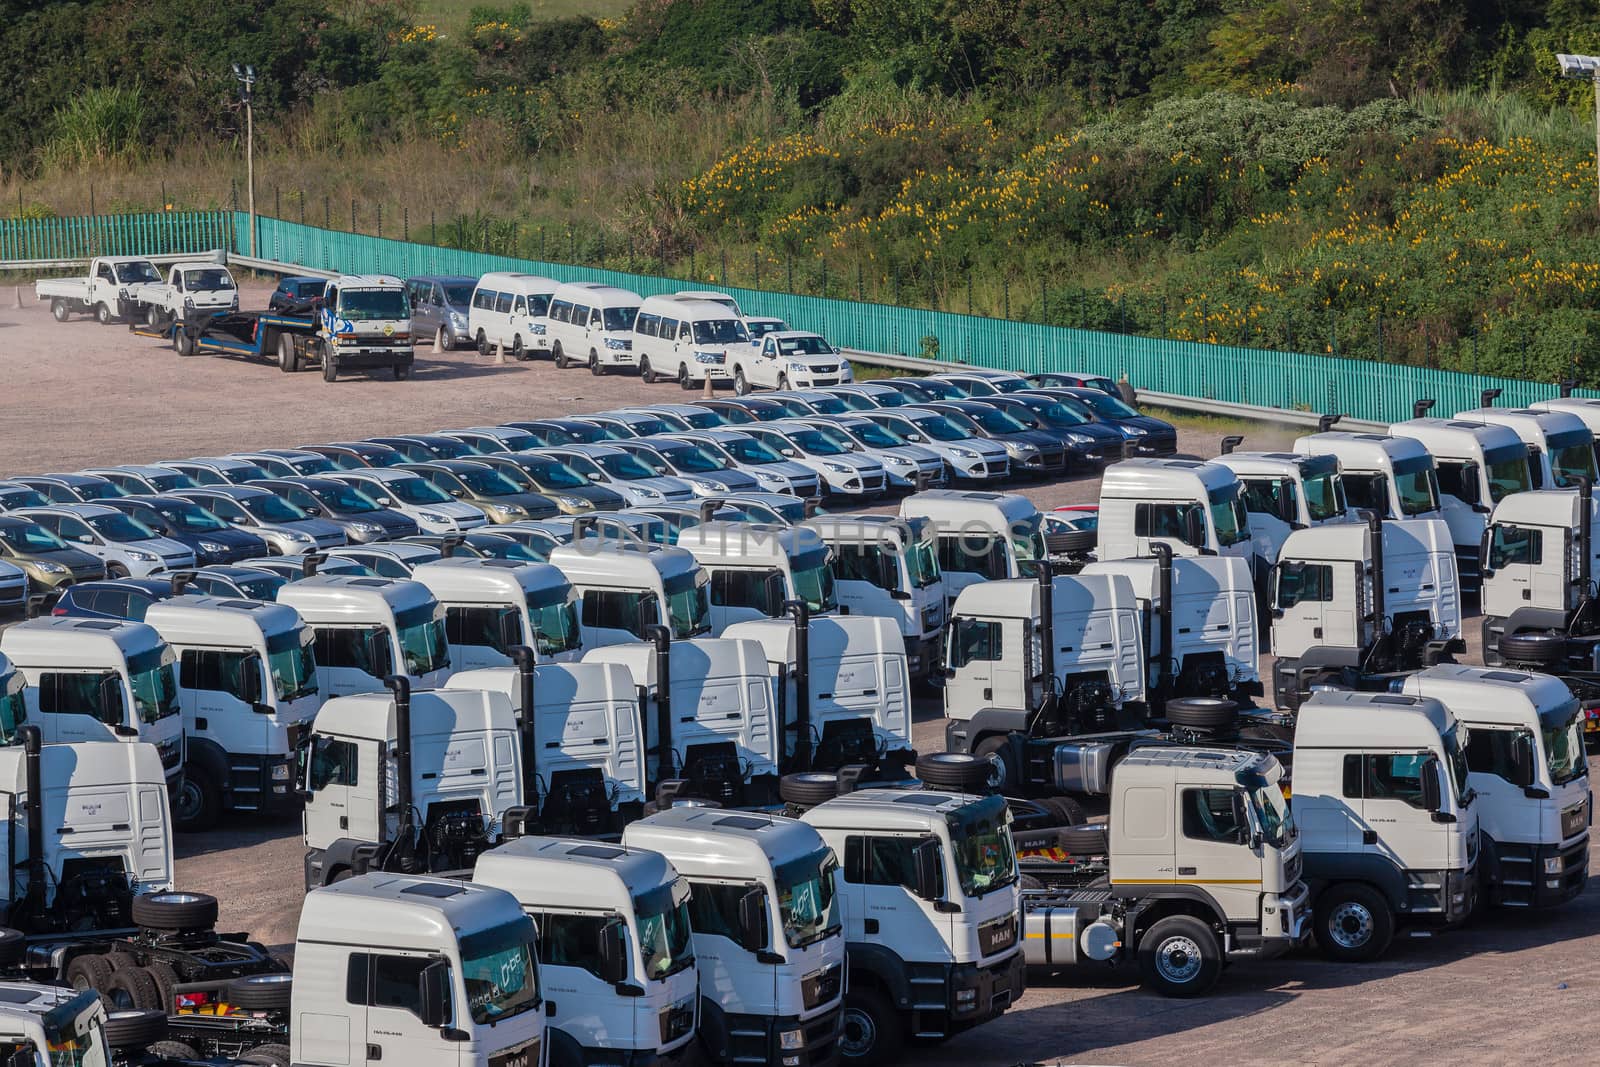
[
  {"x": 504, "y": 307},
  {"x": 711, "y": 295},
  {"x": 592, "y": 324},
  {"x": 688, "y": 340}
]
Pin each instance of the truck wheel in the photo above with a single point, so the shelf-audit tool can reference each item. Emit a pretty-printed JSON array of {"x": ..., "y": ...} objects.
[
  {"x": 683, "y": 378},
  {"x": 196, "y": 802},
  {"x": 646, "y": 375},
  {"x": 262, "y": 992},
  {"x": 1179, "y": 957},
  {"x": 59, "y": 309},
  {"x": 152, "y": 316},
  {"x": 134, "y": 987},
  {"x": 288, "y": 357},
  {"x": 997, "y": 752},
  {"x": 172, "y": 1050},
  {"x": 135, "y": 1029},
  {"x": 89, "y": 972},
  {"x": 183, "y": 341},
  {"x": 807, "y": 789},
  {"x": 1091, "y": 840},
  {"x": 402, "y": 371},
  {"x": 483, "y": 343},
  {"x": 954, "y": 770},
  {"x": 269, "y": 1055},
  {"x": 518, "y": 352},
  {"x": 175, "y": 911},
  {"x": 1203, "y": 713},
  {"x": 595, "y": 367},
  {"x": 1533, "y": 647},
  {"x": 1064, "y": 810},
  {"x": 1353, "y": 923},
  {"x": 871, "y": 1030},
  {"x": 560, "y": 356},
  {"x": 330, "y": 365},
  {"x": 12, "y": 945},
  {"x": 167, "y": 981},
  {"x": 102, "y": 313},
  {"x": 741, "y": 386}
]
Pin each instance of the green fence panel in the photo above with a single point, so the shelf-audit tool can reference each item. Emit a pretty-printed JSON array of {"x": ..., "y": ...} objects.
[{"x": 80, "y": 237}]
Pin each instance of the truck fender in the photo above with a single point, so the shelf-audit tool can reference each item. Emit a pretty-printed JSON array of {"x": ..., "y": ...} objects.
[
  {"x": 1163, "y": 899},
  {"x": 962, "y": 735},
  {"x": 878, "y": 965},
  {"x": 713, "y": 1029},
  {"x": 1323, "y": 869},
  {"x": 346, "y": 854},
  {"x": 206, "y": 755},
  {"x": 564, "y": 1049}
]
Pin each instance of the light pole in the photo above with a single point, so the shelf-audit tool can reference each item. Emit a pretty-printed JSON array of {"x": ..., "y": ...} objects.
[
  {"x": 1586, "y": 67},
  {"x": 246, "y": 77}
]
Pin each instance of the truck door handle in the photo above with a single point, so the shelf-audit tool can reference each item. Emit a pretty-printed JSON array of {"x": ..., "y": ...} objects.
[
  {"x": 1369, "y": 837},
  {"x": 1186, "y": 872},
  {"x": 374, "y": 1052},
  {"x": 871, "y": 925},
  {"x": 344, "y": 822},
  {"x": 1316, "y": 631},
  {"x": 988, "y": 694},
  {"x": 1527, "y": 594}
]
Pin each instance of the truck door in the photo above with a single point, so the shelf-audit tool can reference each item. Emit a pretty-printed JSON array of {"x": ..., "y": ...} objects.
[
  {"x": 335, "y": 778},
  {"x": 1303, "y": 601},
  {"x": 1213, "y": 847},
  {"x": 1515, "y": 557},
  {"x": 395, "y": 1034},
  {"x": 867, "y": 574},
  {"x": 76, "y": 706},
  {"x": 1395, "y": 822},
  {"x": 975, "y": 648}
]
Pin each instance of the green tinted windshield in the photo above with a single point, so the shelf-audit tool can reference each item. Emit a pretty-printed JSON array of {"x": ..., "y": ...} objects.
[
  {"x": 1274, "y": 814},
  {"x": 13, "y": 709},
  {"x": 1323, "y": 487},
  {"x": 1571, "y": 457},
  {"x": 292, "y": 662},
  {"x": 1416, "y": 485},
  {"x": 807, "y": 903},
  {"x": 688, "y": 604},
  {"x": 980, "y": 834},
  {"x": 813, "y": 580},
  {"x": 554, "y": 619},
  {"x": 1562, "y": 734},
  {"x": 1507, "y": 470},
  {"x": 922, "y": 563},
  {"x": 421, "y": 633},
  {"x": 155, "y": 687},
  {"x": 665, "y": 938},
  {"x": 1228, "y": 516},
  {"x": 499, "y": 969}
]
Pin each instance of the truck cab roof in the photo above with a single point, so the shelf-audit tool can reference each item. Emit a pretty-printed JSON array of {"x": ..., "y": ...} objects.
[
  {"x": 1344, "y": 719},
  {"x": 209, "y": 620},
  {"x": 694, "y": 660},
  {"x": 888, "y": 809},
  {"x": 1149, "y": 477},
  {"x": 950, "y": 508},
  {"x": 1493, "y": 694},
  {"x": 1019, "y": 597},
  {"x": 460, "y": 578},
  {"x": 328, "y": 597},
  {"x": 383, "y": 909},
  {"x": 713, "y": 841},
  {"x": 748, "y": 543},
  {"x": 539, "y": 871},
  {"x": 435, "y": 712},
  {"x": 885, "y": 529},
  {"x": 1457, "y": 438},
  {"x": 366, "y": 281},
  {"x": 609, "y": 562},
  {"x": 84, "y": 766},
  {"x": 66, "y": 640},
  {"x": 1194, "y": 764},
  {"x": 1542, "y": 507},
  {"x": 1245, "y": 464},
  {"x": 1533, "y": 426},
  {"x": 1361, "y": 451}
]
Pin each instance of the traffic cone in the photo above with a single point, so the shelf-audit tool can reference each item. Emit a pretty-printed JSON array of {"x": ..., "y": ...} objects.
[
  {"x": 711, "y": 390},
  {"x": 499, "y": 352},
  {"x": 19, "y": 297},
  {"x": 438, "y": 341}
]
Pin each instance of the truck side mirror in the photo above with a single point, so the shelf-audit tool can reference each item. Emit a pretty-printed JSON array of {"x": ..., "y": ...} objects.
[
  {"x": 613, "y": 953},
  {"x": 433, "y": 995},
  {"x": 1194, "y": 527},
  {"x": 1431, "y": 793},
  {"x": 380, "y": 657},
  {"x": 22, "y": 1057},
  {"x": 1522, "y": 767},
  {"x": 250, "y": 679},
  {"x": 1244, "y": 833},
  {"x": 925, "y": 859},
  {"x": 113, "y": 707},
  {"x": 753, "y": 920}
]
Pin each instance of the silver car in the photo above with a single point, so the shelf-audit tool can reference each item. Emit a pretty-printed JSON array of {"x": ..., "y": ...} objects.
[
  {"x": 702, "y": 468},
  {"x": 618, "y": 469},
  {"x": 845, "y": 469},
  {"x": 431, "y": 508},
  {"x": 137, "y": 480},
  {"x": 129, "y": 548},
  {"x": 771, "y": 471},
  {"x": 286, "y": 529},
  {"x": 910, "y": 467}
]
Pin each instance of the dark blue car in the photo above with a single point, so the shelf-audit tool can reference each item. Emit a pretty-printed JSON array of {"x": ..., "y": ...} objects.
[
  {"x": 295, "y": 294},
  {"x": 1088, "y": 442},
  {"x": 126, "y": 598},
  {"x": 1149, "y": 436},
  {"x": 191, "y": 525}
]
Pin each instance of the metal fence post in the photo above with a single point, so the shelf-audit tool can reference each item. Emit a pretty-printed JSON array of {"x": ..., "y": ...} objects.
[
  {"x": 380, "y": 218},
  {"x": 327, "y": 213},
  {"x": 969, "y": 290},
  {"x": 1005, "y": 288},
  {"x": 405, "y": 223},
  {"x": 277, "y": 204},
  {"x": 433, "y": 226},
  {"x": 824, "y": 276},
  {"x": 724, "y": 278},
  {"x": 861, "y": 289}
]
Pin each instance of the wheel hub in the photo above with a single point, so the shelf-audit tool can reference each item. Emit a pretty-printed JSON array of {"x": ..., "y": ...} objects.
[
  {"x": 1351, "y": 925},
  {"x": 859, "y": 1033},
  {"x": 1178, "y": 960}
]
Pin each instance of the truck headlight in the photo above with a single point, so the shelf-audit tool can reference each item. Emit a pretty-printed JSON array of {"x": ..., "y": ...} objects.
[
  {"x": 537, "y": 329},
  {"x": 792, "y": 1040},
  {"x": 281, "y": 772},
  {"x": 966, "y": 998},
  {"x": 1553, "y": 864}
]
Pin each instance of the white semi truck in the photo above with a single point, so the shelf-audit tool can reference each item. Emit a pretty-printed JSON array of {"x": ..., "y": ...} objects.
[
  {"x": 889, "y": 567},
  {"x": 625, "y": 587},
  {"x": 1393, "y": 477},
  {"x": 768, "y": 931},
  {"x": 366, "y": 629},
  {"x": 247, "y": 683},
  {"x": 1539, "y": 603},
  {"x": 1193, "y": 507},
  {"x": 979, "y": 536},
  {"x": 494, "y": 605},
  {"x": 1284, "y": 492},
  {"x": 756, "y": 568},
  {"x": 1560, "y": 446},
  {"x": 99, "y": 680}
]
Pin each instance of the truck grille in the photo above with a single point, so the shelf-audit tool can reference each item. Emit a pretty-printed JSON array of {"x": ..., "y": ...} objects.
[
  {"x": 677, "y": 1021},
  {"x": 998, "y": 935},
  {"x": 822, "y": 986},
  {"x": 1574, "y": 820},
  {"x": 1291, "y": 872},
  {"x": 526, "y": 1056}
]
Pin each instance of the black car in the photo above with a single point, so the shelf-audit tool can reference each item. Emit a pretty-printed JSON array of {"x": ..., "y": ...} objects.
[
  {"x": 924, "y": 390},
  {"x": 125, "y": 598},
  {"x": 759, "y": 408},
  {"x": 297, "y": 294},
  {"x": 363, "y": 519},
  {"x": 426, "y": 447},
  {"x": 1089, "y": 443},
  {"x": 553, "y": 433},
  {"x": 248, "y": 583},
  {"x": 1032, "y": 451},
  {"x": 354, "y": 455},
  {"x": 1149, "y": 436},
  {"x": 191, "y": 525}
]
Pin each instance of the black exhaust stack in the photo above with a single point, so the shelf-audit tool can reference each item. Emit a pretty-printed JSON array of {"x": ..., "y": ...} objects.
[
  {"x": 181, "y": 580},
  {"x": 708, "y": 507},
  {"x": 1567, "y": 386},
  {"x": 400, "y": 686},
  {"x": 1585, "y": 537},
  {"x": 1375, "y": 528},
  {"x": 582, "y": 526},
  {"x": 800, "y": 611},
  {"x": 1163, "y": 554},
  {"x": 524, "y": 658},
  {"x": 448, "y": 545},
  {"x": 310, "y": 563},
  {"x": 1230, "y": 443},
  {"x": 1487, "y": 397},
  {"x": 1420, "y": 409},
  {"x": 32, "y": 744},
  {"x": 662, "y": 638},
  {"x": 1326, "y": 422}
]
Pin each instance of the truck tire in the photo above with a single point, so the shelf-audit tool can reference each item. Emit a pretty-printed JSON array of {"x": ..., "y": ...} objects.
[
  {"x": 596, "y": 368},
  {"x": 330, "y": 364},
  {"x": 1090, "y": 840},
  {"x": 646, "y": 375},
  {"x": 871, "y": 1030},
  {"x": 175, "y": 911},
  {"x": 268, "y": 1055},
  {"x": 954, "y": 770},
  {"x": 559, "y": 355},
  {"x": 89, "y": 971},
  {"x": 1353, "y": 923},
  {"x": 998, "y": 753},
  {"x": 1071, "y": 542},
  {"x": 12, "y": 945},
  {"x": 1064, "y": 810},
  {"x": 197, "y": 800},
  {"x": 1179, "y": 957},
  {"x": 102, "y": 313},
  {"x": 1203, "y": 713},
  {"x": 135, "y": 1029},
  {"x": 261, "y": 992},
  {"x": 59, "y": 310},
  {"x": 167, "y": 981},
  {"x": 1537, "y": 648},
  {"x": 807, "y": 789},
  {"x": 288, "y": 356},
  {"x": 183, "y": 341},
  {"x": 152, "y": 316},
  {"x": 134, "y": 987},
  {"x": 172, "y": 1050},
  {"x": 683, "y": 378}
]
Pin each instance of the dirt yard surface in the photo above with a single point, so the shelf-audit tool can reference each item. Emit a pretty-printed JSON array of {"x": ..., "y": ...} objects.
[{"x": 1498, "y": 992}]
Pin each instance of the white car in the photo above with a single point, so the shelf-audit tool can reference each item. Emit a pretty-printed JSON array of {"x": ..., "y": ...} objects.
[
  {"x": 967, "y": 457},
  {"x": 844, "y": 471},
  {"x": 909, "y": 466},
  {"x": 129, "y": 548},
  {"x": 624, "y": 472},
  {"x": 789, "y": 359},
  {"x": 433, "y": 510}
]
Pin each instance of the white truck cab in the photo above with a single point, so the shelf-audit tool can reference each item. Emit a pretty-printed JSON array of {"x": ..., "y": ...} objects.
[
  {"x": 1478, "y": 464},
  {"x": 1354, "y": 605},
  {"x": 105, "y": 291},
  {"x": 99, "y": 680},
  {"x": 364, "y": 321},
  {"x": 1193, "y": 507},
  {"x": 1585, "y": 407},
  {"x": 1392, "y": 477},
  {"x": 13, "y": 701},
  {"x": 193, "y": 287},
  {"x": 980, "y": 536},
  {"x": 1388, "y": 823},
  {"x": 47, "y": 1025},
  {"x": 768, "y": 931},
  {"x": 1538, "y": 568},
  {"x": 931, "y": 906},
  {"x": 1560, "y": 446},
  {"x": 415, "y": 972},
  {"x": 757, "y": 568},
  {"x": 625, "y": 587},
  {"x": 617, "y": 955},
  {"x": 247, "y": 683},
  {"x": 418, "y": 780},
  {"x": 889, "y": 567},
  {"x": 369, "y": 628},
  {"x": 1526, "y": 762},
  {"x": 493, "y": 605},
  {"x": 1284, "y": 492}
]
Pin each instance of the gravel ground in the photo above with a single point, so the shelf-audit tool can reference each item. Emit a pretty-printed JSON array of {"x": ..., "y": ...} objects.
[{"x": 1475, "y": 995}]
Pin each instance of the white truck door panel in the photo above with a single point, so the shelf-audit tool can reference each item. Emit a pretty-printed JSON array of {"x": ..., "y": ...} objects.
[{"x": 395, "y": 1034}]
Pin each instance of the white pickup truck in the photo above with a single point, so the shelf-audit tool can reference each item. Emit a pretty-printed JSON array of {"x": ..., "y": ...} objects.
[
  {"x": 195, "y": 287},
  {"x": 105, "y": 291}
]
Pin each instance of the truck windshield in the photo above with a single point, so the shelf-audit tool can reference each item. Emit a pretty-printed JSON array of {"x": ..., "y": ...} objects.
[
  {"x": 372, "y": 305},
  {"x": 1324, "y": 489},
  {"x": 688, "y": 604},
  {"x": 292, "y": 663},
  {"x": 421, "y": 633},
  {"x": 13, "y": 709},
  {"x": 155, "y": 688},
  {"x": 554, "y": 620},
  {"x": 813, "y": 580},
  {"x": 980, "y": 836},
  {"x": 211, "y": 279},
  {"x": 498, "y": 968},
  {"x": 1416, "y": 485},
  {"x": 1571, "y": 457},
  {"x": 1561, "y": 730},
  {"x": 1271, "y": 496},
  {"x": 807, "y": 904},
  {"x": 922, "y": 563},
  {"x": 1455, "y": 754},
  {"x": 416, "y": 490},
  {"x": 807, "y": 344},
  {"x": 1507, "y": 470},
  {"x": 665, "y": 939},
  {"x": 1273, "y": 813},
  {"x": 138, "y": 271},
  {"x": 1228, "y": 516}
]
